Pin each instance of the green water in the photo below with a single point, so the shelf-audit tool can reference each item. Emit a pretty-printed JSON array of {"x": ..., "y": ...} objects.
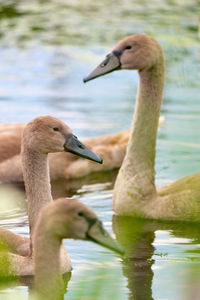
[{"x": 46, "y": 48}]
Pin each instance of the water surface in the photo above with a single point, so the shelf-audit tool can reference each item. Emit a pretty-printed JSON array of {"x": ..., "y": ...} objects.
[{"x": 47, "y": 47}]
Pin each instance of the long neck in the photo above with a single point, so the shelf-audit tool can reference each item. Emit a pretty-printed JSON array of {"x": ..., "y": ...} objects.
[
  {"x": 37, "y": 183},
  {"x": 140, "y": 156},
  {"x": 48, "y": 283}
]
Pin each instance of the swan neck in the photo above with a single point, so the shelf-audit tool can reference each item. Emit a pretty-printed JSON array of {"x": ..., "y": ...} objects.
[
  {"x": 37, "y": 183},
  {"x": 48, "y": 280},
  {"x": 140, "y": 155}
]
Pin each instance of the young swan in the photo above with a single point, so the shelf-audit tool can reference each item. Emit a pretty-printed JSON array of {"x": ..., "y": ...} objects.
[
  {"x": 134, "y": 191},
  {"x": 64, "y": 218},
  {"x": 41, "y": 136},
  {"x": 110, "y": 147}
]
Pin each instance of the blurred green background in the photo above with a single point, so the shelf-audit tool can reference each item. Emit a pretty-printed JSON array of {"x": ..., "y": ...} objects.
[{"x": 59, "y": 22}]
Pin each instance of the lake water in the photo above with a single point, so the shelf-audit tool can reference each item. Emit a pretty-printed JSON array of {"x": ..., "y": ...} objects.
[{"x": 47, "y": 47}]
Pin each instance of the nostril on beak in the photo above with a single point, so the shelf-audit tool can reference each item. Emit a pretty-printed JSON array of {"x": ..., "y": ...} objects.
[
  {"x": 80, "y": 145},
  {"x": 105, "y": 62}
]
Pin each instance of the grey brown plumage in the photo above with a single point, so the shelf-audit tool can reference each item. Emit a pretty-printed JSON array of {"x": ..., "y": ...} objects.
[{"x": 111, "y": 148}]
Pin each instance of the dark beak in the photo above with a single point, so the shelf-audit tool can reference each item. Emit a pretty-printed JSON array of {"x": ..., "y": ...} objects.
[
  {"x": 74, "y": 146},
  {"x": 99, "y": 235},
  {"x": 110, "y": 63}
]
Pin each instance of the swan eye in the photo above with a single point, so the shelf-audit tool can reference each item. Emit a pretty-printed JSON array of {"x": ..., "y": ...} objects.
[
  {"x": 80, "y": 214},
  {"x": 55, "y": 128},
  {"x": 128, "y": 47}
]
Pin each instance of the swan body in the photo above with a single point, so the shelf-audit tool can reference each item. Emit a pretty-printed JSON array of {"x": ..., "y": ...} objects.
[
  {"x": 135, "y": 193},
  {"x": 10, "y": 140},
  {"x": 41, "y": 136},
  {"x": 110, "y": 147}
]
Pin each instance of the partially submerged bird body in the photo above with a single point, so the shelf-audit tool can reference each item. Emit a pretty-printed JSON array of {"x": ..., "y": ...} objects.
[
  {"x": 10, "y": 140},
  {"x": 110, "y": 147},
  {"x": 135, "y": 193}
]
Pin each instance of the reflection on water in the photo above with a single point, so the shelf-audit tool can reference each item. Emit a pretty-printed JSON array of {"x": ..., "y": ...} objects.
[
  {"x": 47, "y": 47},
  {"x": 162, "y": 258}
]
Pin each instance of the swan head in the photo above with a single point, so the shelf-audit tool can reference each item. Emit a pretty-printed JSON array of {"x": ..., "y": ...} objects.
[
  {"x": 46, "y": 134},
  {"x": 69, "y": 218},
  {"x": 134, "y": 52}
]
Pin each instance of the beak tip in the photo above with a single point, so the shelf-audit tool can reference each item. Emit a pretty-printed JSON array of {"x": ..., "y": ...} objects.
[
  {"x": 121, "y": 252},
  {"x": 99, "y": 235},
  {"x": 100, "y": 160},
  {"x": 86, "y": 79},
  {"x": 97, "y": 158}
]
